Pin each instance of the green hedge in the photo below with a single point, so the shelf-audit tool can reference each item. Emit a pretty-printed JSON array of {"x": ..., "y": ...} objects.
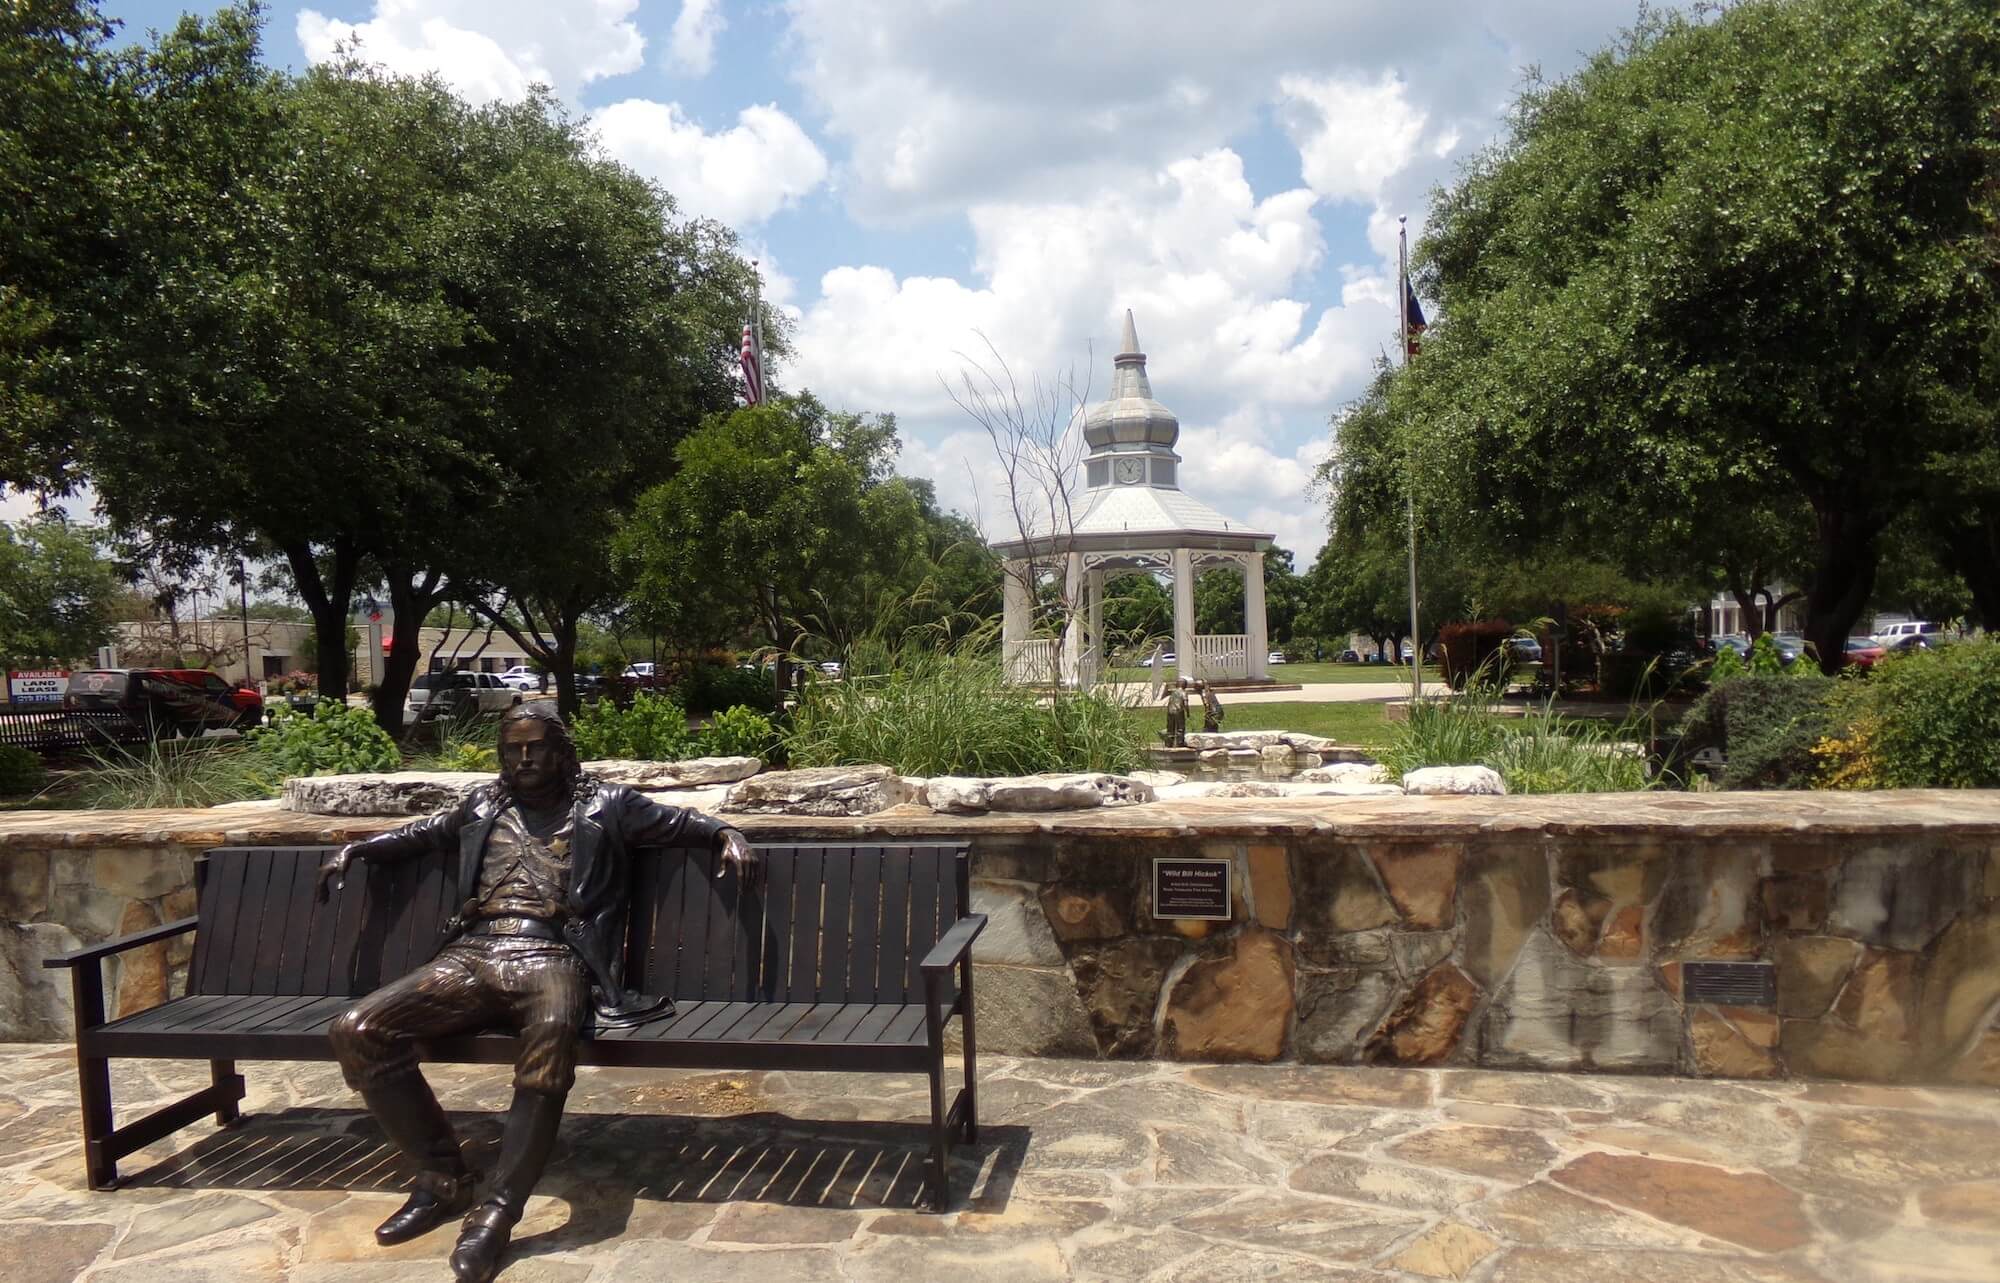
[
  {"x": 1766, "y": 726},
  {"x": 1924, "y": 719}
]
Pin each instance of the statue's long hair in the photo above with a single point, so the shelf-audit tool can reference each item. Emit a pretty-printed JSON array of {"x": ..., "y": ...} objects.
[{"x": 582, "y": 784}]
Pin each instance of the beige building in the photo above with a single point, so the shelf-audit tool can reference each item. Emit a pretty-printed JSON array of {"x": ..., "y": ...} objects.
[{"x": 276, "y": 648}]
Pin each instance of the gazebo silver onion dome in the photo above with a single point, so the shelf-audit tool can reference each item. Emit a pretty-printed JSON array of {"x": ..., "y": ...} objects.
[{"x": 1131, "y": 516}]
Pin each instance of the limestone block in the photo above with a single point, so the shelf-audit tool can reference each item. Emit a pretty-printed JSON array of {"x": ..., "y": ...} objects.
[
  {"x": 1348, "y": 949},
  {"x": 394, "y": 793},
  {"x": 1748, "y": 1209},
  {"x": 1159, "y": 779},
  {"x": 1795, "y": 901},
  {"x": 1270, "y": 885},
  {"x": 1505, "y": 895},
  {"x": 1060, "y": 792},
  {"x": 1346, "y": 773},
  {"x": 1576, "y": 918},
  {"x": 1339, "y": 891},
  {"x": 1454, "y": 780},
  {"x": 1448, "y": 1250},
  {"x": 1017, "y": 932},
  {"x": 1416, "y": 952},
  {"x": 1624, "y": 938},
  {"x": 1234, "y": 1007},
  {"x": 24, "y": 885},
  {"x": 672, "y": 775},
  {"x": 957, "y": 795},
  {"x": 1423, "y": 882},
  {"x": 142, "y": 972},
  {"x": 1811, "y": 970},
  {"x": 1881, "y": 996},
  {"x": 1338, "y": 1010},
  {"x": 1961, "y": 985},
  {"x": 34, "y": 1002},
  {"x": 1300, "y": 742},
  {"x": 1078, "y": 913},
  {"x": 140, "y": 872},
  {"x": 1119, "y": 985},
  {"x": 1557, "y": 1011},
  {"x": 1278, "y": 753},
  {"x": 1981, "y": 1065},
  {"x": 1025, "y": 1011},
  {"x": 1256, "y": 741},
  {"x": 1828, "y": 1049},
  {"x": 821, "y": 790},
  {"x": 1707, "y": 905},
  {"x": 1900, "y": 898},
  {"x": 1426, "y": 1025},
  {"x": 1723, "y": 1051}
]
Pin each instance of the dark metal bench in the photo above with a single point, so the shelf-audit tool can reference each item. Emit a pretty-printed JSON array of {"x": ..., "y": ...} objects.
[{"x": 847, "y": 958}]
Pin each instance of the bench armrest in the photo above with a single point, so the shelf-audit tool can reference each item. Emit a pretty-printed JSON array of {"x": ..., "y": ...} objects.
[
  {"x": 954, "y": 944},
  {"x": 97, "y": 952}
]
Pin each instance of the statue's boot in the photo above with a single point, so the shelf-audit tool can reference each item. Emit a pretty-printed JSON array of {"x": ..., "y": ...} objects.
[
  {"x": 524, "y": 1151},
  {"x": 409, "y": 1112}
]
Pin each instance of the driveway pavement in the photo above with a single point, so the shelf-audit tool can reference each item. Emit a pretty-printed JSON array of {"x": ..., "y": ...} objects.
[{"x": 1084, "y": 1171}]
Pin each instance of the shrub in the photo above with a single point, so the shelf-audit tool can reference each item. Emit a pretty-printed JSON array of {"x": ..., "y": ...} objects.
[
  {"x": 21, "y": 770},
  {"x": 709, "y": 688},
  {"x": 163, "y": 773},
  {"x": 653, "y": 729},
  {"x": 332, "y": 740},
  {"x": 946, "y": 712},
  {"x": 1459, "y": 730},
  {"x": 1923, "y": 719},
  {"x": 737, "y": 732},
  {"x": 1765, "y": 725}
]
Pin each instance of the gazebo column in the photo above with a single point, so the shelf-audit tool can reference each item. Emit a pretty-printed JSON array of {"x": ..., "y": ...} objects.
[
  {"x": 1095, "y": 658},
  {"x": 1253, "y": 617},
  {"x": 1014, "y": 615},
  {"x": 1073, "y": 627},
  {"x": 1184, "y": 610}
]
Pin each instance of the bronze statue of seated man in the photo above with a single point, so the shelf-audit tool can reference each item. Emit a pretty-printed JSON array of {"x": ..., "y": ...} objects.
[{"x": 544, "y": 859}]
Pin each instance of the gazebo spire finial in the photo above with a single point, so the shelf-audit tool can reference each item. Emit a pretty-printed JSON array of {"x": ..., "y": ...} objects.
[{"x": 1131, "y": 347}]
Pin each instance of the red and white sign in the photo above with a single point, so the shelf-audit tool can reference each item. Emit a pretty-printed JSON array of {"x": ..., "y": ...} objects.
[{"x": 37, "y": 685}]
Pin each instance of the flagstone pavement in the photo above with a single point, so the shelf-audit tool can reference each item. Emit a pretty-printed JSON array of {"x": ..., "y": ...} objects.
[{"x": 1084, "y": 1171}]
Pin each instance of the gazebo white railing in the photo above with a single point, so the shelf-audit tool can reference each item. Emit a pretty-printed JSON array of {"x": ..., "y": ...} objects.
[
  {"x": 1220, "y": 656},
  {"x": 1031, "y": 662}
]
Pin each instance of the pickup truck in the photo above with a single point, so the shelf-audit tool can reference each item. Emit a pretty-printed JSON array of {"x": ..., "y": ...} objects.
[
  {"x": 459, "y": 694},
  {"x": 167, "y": 701}
]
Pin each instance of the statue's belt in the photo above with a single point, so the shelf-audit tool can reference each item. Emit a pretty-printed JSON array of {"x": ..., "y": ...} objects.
[{"x": 531, "y": 928}]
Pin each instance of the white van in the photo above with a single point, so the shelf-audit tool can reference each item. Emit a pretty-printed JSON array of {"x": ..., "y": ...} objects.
[{"x": 1894, "y": 633}]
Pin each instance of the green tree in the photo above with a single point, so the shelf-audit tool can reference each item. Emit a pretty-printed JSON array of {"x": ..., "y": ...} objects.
[
  {"x": 782, "y": 522},
  {"x": 57, "y": 591},
  {"x": 1739, "y": 259}
]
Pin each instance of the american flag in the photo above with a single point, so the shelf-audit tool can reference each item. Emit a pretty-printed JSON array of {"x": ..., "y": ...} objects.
[
  {"x": 1413, "y": 317},
  {"x": 753, "y": 366}
]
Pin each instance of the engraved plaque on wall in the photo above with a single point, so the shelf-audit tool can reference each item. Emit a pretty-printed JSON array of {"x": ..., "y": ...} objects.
[{"x": 1190, "y": 888}]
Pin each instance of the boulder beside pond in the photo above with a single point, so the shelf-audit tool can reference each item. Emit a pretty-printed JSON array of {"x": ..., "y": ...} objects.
[
  {"x": 1480, "y": 780},
  {"x": 966, "y": 795},
  {"x": 823, "y": 791}
]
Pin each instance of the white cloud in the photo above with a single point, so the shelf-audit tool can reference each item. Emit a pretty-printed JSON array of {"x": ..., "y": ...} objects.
[
  {"x": 741, "y": 175},
  {"x": 945, "y": 103},
  {"x": 1352, "y": 135},
  {"x": 488, "y": 50},
  {"x": 691, "y": 47}
]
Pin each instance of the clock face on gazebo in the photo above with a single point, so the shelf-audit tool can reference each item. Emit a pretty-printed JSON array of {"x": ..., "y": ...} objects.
[{"x": 1130, "y": 516}]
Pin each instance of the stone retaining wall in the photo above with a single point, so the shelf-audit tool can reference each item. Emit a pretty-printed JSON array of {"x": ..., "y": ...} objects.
[{"x": 1508, "y": 932}]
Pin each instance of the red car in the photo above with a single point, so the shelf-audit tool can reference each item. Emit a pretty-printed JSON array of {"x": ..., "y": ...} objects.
[
  {"x": 1862, "y": 652},
  {"x": 168, "y": 701}
]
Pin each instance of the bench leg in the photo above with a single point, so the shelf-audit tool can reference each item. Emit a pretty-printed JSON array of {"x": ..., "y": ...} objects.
[
  {"x": 971, "y": 1129},
  {"x": 228, "y": 1085},
  {"x": 93, "y": 1079},
  {"x": 940, "y": 1181}
]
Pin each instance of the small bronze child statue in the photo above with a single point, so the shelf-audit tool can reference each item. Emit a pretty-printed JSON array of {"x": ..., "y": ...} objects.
[
  {"x": 1211, "y": 708},
  {"x": 544, "y": 855},
  {"x": 1177, "y": 702}
]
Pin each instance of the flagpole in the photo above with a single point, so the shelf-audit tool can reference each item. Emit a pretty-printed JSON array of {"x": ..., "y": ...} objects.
[{"x": 1410, "y": 490}]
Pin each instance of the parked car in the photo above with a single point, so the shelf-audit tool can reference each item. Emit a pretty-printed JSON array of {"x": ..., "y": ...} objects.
[
  {"x": 523, "y": 678},
  {"x": 831, "y": 667},
  {"x": 1890, "y": 634},
  {"x": 1862, "y": 652},
  {"x": 1738, "y": 642},
  {"x": 1168, "y": 657},
  {"x": 168, "y": 701},
  {"x": 1915, "y": 641},
  {"x": 643, "y": 668},
  {"x": 1522, "y": 650},
  {"x": 1275, "y": 657},
  {"x": 1790, "y": 645},
  {"x": 459, "y": 694},
  {"x": 1350, "y": 656}
]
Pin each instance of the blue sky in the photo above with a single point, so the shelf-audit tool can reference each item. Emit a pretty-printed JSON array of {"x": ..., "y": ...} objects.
[{"x": 922, "y": 177}]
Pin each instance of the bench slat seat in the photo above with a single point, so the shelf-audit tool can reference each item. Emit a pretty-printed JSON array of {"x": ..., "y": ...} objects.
[{"x": 845, "y": 958}]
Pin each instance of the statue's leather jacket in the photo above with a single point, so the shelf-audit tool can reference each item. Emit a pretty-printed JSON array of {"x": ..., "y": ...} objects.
[{"x": 606, "y": 826}]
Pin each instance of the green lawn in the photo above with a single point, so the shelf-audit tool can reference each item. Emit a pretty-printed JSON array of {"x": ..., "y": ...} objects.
[
  {"x": 1305, "y": 674},
  {"x": 1358, "y": 723}
]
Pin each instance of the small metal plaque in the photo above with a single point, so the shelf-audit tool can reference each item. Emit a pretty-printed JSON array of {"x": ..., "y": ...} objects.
[
  {"x": 1730, "y": 984},
  {"x": 1186, "y": 888}
]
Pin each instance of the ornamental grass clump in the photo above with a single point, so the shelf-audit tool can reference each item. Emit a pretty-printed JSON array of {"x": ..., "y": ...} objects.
[
  {"x": 169, "y": 773},
  {"x": 1541, "y": 752},
  {"x": 947, "y": 712}
]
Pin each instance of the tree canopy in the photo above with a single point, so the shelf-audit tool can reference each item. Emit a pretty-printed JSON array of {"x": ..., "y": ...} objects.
[
  {"x": 57, "y": 591},
  {"x": 1724, "y": 294}
]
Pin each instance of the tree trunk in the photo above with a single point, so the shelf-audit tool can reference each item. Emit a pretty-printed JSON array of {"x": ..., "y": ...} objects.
[
  {"x": 1751, "y": 615},
  {"x": 1843, "y": 579},
  {"x": 329, "y": 603},
  {"x": 565, "y": 665},
  {"x": 1974, "y": 552},
  {"x": 410, "y": 599}
]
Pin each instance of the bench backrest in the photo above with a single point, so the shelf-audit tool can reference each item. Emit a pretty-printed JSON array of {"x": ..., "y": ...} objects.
[{"x": 692, "y": 936}]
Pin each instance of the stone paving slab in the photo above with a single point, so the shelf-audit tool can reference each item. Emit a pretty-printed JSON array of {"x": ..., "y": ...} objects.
[{"x": 1085, "y": 1171}]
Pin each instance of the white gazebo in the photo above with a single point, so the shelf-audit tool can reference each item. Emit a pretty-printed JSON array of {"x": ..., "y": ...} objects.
[{"x": 1131, "y": 515}]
